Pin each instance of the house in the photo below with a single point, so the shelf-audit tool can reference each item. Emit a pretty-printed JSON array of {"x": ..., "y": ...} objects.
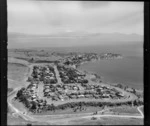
[
  {"x": 120, "y": 94},
  {"x": 34, "y": 85},
  {"x": 47, "y": 90},
  {"x": 47, "y": 77},
  {"x": 47, "y": 71},
  {"x": 33, "y": 88},
  {"x": 33, "y": 96},
  {"x": 34, "y": 99},
  {"x": 106, "y": 95},
  {"x": 52, "y": 78},
  {"x": 60, "y": 97},
  {"x": 75, "y": 88},
  {"x": 51, "y": 74},
  {"x": 66, "y": 90},
  {"x": 129, "y": 89},
  {"x": 46, "y": 87},
  {"x": 80, "y": 96}
]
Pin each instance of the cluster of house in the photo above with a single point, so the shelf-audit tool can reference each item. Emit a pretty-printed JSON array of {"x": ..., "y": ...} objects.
[
  {"x": 55, "y": 92},
  {"x": 45, "y": 74},
  {"x": 109, "y": 56},
  {"x": 74, "y": 87},
  {"x": 62, "y": 92},
  {"x": 71, "y": 75},
  {"x": 79, "y": 58},
  {"x": 31, "y": 95},
  {"x": 31, "y": 92},
  {"x": 99, "y": 91},
  {"x": 74, "y": 91}
]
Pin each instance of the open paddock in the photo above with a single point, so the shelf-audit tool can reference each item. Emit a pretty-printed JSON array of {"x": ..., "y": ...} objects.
[
  {"x": 106, "y": 121},
  {"x": 17, "y": 71},
  {"x": 71, "y": 111},
  {"x": 125, "y": 109},
  {"x": 19, "y": 105},
  {"x": 20, "y": 121}
]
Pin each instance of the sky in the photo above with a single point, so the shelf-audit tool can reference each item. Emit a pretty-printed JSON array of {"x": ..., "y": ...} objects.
[{"x": 74, "y": 17}]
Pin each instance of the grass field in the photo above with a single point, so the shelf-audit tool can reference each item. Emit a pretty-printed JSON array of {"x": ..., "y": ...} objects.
[
  {"x": 10, "y": 90},
  {"x": 125, "y": 109},
  {"x": 36, "y": 55},
  {"x": 12, "y": 84},
  {"x": 19, "y": 105},
  {"x": 19, "y": 121},
  {"x": 142, "y": 109},
  {"x": 107, "y": 121},
  {"x": 17, "y": 71},
  {"x": 70, "y": 111}
]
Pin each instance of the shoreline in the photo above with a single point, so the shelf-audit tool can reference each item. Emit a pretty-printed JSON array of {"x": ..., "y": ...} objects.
[{"x": 101, "y": 77}]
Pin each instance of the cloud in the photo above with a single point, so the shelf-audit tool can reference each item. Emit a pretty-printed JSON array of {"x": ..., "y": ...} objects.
[{"x": 55, "y": 17}]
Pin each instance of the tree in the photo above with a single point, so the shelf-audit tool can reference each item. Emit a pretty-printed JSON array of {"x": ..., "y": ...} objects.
[
  {"x": 29, "y": 124},
  {"x": 20, "y": 92},
  {"x": 120, "y": 86},
  {"x": 85, "y": 81},
  {"x": 134, "y": 91},
  {"x": 27, "y": 103},
  {"x": 34, "y": 105},
  {"x": 135, "y": 103},
  {"x": 52, "y": 107},
  {"x": 30, "y": 78}
]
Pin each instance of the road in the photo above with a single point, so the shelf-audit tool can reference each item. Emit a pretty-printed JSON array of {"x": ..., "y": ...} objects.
[{"x": 57, "y": 75}]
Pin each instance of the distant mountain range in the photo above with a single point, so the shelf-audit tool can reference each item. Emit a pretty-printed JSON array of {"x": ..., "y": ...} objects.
[{"x": 70, "y": 39}]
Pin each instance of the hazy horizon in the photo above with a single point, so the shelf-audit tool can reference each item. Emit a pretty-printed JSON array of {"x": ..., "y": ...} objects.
[{"x": 34, "y": 23}]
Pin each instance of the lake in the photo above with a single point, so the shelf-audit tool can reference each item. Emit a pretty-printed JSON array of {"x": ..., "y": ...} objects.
[{"x": 128, "y": 70}]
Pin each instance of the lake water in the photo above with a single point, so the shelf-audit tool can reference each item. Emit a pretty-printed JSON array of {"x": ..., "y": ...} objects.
[{"x": 128, "y": 70}]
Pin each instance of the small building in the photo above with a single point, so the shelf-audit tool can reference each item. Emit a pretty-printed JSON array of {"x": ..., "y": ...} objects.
[
  {"x": 75, "y": 88},
  {"x": 52, "y": 78},
  {"x": 129, "y": 89},
  {"x": 46, "y": 87},
  {"x": 106, "y": 95},
  {"x": 81, "y": 96},
  {"x": 51, "y": 74},
  {"x": 47, "y": 90}
]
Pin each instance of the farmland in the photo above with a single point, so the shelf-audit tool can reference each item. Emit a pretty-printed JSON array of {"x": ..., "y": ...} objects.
[
  {"x": 17, "y": 71},
  {"x": 106, "y": 121}
]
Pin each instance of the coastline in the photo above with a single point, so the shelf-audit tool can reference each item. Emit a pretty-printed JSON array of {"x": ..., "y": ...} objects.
[{"x": 102, "y": 78}]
